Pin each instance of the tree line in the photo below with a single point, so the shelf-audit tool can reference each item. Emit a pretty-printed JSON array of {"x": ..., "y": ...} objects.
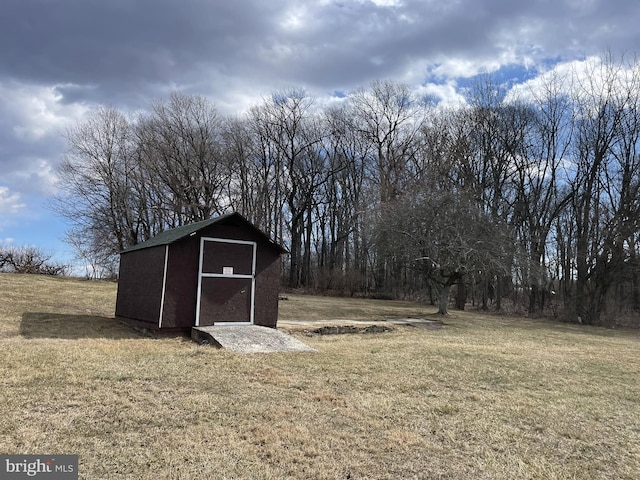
[
  {"x": 522, "y": 198},
  {"x": 29, "y": 260}
]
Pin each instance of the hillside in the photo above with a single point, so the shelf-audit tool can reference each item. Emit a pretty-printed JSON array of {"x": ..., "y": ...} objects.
[{"x": 482, "y": 397}]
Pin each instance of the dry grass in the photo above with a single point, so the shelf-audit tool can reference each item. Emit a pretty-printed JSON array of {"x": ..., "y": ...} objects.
[
  {"x": 355, "y": 309},
  {"x": 484, "y": 397}
]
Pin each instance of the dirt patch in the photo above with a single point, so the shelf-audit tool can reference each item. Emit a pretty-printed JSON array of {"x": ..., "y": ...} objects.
[
  {"x": 342, "y": 329},
  {"x": 339, "y": 327}
]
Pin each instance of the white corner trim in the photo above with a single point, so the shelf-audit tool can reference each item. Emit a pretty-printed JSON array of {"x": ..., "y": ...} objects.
[{"x": 164, "y": 284}]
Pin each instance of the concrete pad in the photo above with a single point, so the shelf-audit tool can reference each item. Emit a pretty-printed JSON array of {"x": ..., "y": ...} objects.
[{"x": 249, "y": 339}]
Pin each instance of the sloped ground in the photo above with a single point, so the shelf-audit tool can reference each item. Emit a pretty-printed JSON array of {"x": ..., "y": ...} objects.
[{"x": 481, "y": 398}]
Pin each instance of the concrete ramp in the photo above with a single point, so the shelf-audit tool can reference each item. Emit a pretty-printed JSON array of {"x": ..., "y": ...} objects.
[{"x": 248, "y": 339}]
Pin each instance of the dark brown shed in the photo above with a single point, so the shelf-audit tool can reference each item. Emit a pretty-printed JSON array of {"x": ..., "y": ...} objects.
[{"x": 218, "y": 271}]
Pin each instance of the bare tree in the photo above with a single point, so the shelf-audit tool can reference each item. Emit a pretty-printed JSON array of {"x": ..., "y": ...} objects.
[
  {"x": 246, "y": 191},
  {"x": 495, "y": 139},
  {"x": 389, "y": 118},
  {"x": 340, "y": 211},
  {"x": 95, "y": 254},
  {"x": 96, "y": 181},
  {"x": 30, "y": 260},
  {"x": 180, "y": 144},
  {"x": 388, "y": 193},
  {"x": 293, "y": 135},
  {"x": 123, "y": 182},
  {"x": 446, "y": 237},
  {"x": 600, "y": 101},
  {"x": 538, "y": 179},
  {"x": 614, "y": 258}
]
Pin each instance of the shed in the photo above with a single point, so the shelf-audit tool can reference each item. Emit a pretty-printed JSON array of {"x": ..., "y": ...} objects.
[{"x": 218, "y": 271}]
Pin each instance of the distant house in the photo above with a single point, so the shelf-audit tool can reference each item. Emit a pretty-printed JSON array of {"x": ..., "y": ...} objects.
[{"x": 218, "y": 271}]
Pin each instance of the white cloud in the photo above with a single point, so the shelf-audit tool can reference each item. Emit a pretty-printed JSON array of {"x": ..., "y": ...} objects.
[
  {"x": 447, "y": 94},
  {"x": 464, "y": 68},
  {"x": 32, "y": 121},
  {"x": 37, "y": 111},
  {"x": 36, "y": 176},
  {"x": 294, "y": 18},
  {"x": 386, "y": 3},
  {"x": 566, "y": 77},
  {"x": 10, "y": 203}
]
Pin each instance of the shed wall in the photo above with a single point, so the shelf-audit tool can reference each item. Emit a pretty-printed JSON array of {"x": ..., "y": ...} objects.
[
  {"x": 182, "y": 277},
  {"x": 267, "y": 289},
  {"x": 182, "y": 284},
  {"x": 267, "y": 273},
  {"x": 140, "y": 284}
]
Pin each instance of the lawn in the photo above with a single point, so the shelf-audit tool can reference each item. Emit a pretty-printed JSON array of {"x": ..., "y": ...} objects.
[{"x": 482, "y": 398}]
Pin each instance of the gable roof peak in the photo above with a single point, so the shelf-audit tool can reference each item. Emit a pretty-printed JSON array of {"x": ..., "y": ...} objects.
[{"x": 174, "y": 234}]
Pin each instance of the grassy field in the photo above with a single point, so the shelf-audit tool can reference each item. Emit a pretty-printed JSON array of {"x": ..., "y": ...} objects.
[{"x": 482, "y": 398}]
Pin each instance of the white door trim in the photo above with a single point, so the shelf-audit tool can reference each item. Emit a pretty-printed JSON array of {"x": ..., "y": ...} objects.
[{"x": 251, "y": 276}]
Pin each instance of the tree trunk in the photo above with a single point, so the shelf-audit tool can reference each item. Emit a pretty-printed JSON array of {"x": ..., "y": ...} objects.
[
  {"x": 485, "y": 293},
  {"x": 306, "y": 256},
  {"x": 499, "y": 291},
  {"x": 443, "y": 304},
  {"x": 635, "y": 289},
  {"x": 461, "y": 296},
  {"x": 581, "y": 300},
  {"x": 296, "y": 254},
  {"x": 533, "y": 298}
]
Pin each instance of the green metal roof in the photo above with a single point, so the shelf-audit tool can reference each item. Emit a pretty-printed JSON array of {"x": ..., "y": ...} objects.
[{"x": 170, "y": 236}]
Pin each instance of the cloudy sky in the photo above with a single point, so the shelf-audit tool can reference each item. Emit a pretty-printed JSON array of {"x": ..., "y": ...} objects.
[{"x": 60, "y": 58}]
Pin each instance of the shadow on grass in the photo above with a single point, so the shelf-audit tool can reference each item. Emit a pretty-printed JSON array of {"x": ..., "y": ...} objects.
[{"x": 57, "y": 325}]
